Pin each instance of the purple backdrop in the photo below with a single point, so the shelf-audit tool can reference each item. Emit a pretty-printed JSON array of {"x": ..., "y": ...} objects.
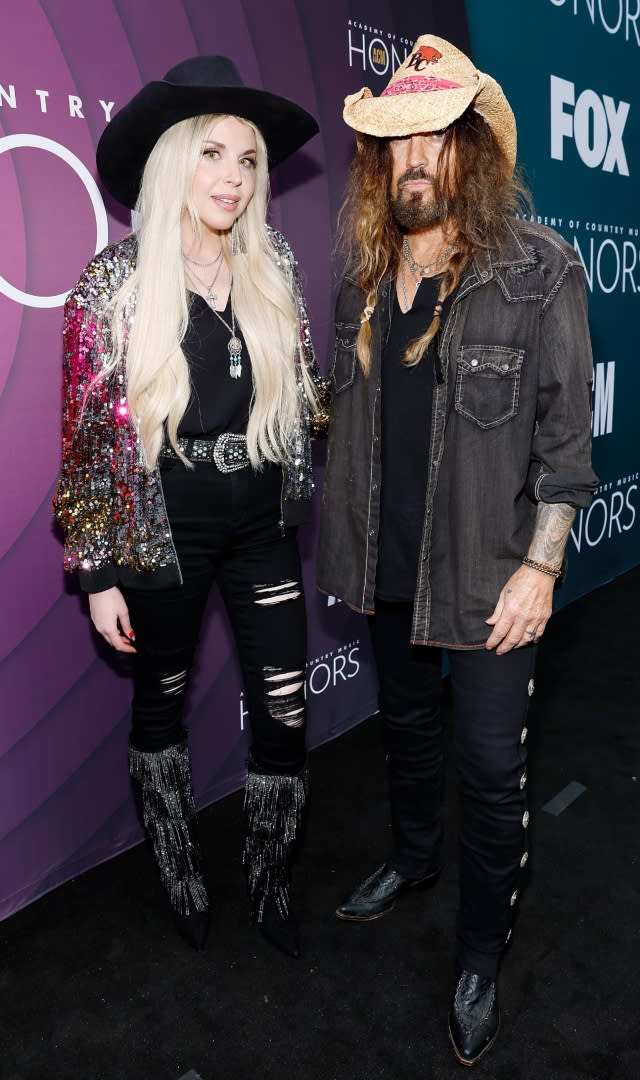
[{"x": 65, "y": 67}]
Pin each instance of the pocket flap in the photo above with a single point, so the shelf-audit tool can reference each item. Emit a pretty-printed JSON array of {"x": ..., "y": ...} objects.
[{"x": 488, "y": 383}]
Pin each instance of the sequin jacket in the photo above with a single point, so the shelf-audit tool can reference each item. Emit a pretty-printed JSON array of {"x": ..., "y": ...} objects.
[{"x": 109, "y": 505}]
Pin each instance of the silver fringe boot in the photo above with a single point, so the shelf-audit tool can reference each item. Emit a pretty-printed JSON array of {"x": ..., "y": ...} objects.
[
  {"x": 164, "y": 792},
  {"x": 274, "y": 807}
]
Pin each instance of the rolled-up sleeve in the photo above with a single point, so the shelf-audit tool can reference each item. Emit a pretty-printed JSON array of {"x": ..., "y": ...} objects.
[{"x": 560, "y": 469}]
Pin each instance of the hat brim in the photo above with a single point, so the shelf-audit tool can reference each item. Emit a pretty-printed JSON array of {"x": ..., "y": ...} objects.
[
  {"x": 396, "y": 115},
  {"x": 129, "y": 138}
]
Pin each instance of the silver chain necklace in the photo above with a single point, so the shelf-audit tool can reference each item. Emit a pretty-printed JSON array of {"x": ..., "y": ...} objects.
[
  {"x": 405, "y": 295},
  {"x": 211, "y": 297},
  {"x": 234, "y": 345},
  {"x": 437, "y": 311},
  {"x": 204, "y": 265},
  {"x": 422, "y": 268}
]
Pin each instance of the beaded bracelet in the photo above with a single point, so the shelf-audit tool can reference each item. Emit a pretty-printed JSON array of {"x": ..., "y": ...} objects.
[{"x": 543, "y": 567}]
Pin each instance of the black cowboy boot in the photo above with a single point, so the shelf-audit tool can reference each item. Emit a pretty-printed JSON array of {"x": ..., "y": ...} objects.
[
  {"x": 274, "y": 806},
  {"x": 474, "y": 1017},
  {"x": 164, "y": 793},
  {"x": 377, "y": 894}
]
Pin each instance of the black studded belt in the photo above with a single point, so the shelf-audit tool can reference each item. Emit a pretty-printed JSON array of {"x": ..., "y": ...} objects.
[{"x": 228, "y": 452}]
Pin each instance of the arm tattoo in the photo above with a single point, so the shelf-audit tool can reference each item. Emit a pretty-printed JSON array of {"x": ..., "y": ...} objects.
[{"x": 553, "y": 523}]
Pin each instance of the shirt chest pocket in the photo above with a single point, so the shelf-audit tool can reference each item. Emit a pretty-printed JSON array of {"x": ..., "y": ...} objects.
[
  {"x": 345, "y": 359},
  {"x": 488, "y": 383}
]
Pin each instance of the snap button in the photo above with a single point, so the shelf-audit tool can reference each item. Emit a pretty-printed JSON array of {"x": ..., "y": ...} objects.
[
  {"x": 474, "y": 363},
  {"x": 525, "y": 819},
  {"x": 523, "y": 780},
  {"x": 505, "y": 367},
  {"x": 508, "y": 937},
  {"x": 514, "y": 897},
  {"x": 531, "y": 687},
  {"x": 523, "y": 860}
]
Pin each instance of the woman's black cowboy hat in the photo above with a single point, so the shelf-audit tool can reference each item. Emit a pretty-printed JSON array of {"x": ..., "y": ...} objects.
[{"x": 195, "y": 87}]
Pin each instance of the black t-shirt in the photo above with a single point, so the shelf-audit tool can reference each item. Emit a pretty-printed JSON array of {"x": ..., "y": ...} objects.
[
  {"x": 218, "y": 403},
  {"x": 407, "y": 400}
]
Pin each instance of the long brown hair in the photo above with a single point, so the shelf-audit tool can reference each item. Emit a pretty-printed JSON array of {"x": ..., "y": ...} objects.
[{"x": 477, "y": 187}]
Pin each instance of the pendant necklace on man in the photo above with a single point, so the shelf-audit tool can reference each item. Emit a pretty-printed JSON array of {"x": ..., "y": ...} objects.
[
  {"x": 422, "y": 269},
  {"x": 417, "y": 271}
]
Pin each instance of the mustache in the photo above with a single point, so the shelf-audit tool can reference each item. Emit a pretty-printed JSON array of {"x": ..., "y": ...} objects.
[{"x": 417, "y": 173}]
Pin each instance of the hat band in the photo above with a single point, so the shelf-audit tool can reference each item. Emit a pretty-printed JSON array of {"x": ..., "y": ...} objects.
[{"x": 419, "y": 84}]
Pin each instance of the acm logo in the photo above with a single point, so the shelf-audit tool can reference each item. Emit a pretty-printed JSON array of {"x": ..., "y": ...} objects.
[
  {"x": 595, "y": 124},
  {"x": 604, "y": 376}
]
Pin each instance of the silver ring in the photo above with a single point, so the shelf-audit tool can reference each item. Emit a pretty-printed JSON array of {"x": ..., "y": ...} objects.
[{"x": 530, "y": 633}]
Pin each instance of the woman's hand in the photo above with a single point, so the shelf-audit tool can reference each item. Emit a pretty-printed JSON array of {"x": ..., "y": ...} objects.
[{"x": 110, "y": 616}]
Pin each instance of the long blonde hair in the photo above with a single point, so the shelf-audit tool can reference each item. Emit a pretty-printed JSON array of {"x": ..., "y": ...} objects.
[
  {"x": 474, "y": 182},
  {"x": 158, "y": 385}
]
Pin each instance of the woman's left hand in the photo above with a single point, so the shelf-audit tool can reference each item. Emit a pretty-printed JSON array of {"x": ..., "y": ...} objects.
[{"x": 110, "y": 616}]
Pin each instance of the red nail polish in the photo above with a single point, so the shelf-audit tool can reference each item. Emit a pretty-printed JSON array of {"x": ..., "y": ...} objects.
[{"x": 131, "y": 635}]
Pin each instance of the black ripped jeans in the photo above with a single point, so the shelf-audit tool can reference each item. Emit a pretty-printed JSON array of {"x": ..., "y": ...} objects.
[{"x": 226, "y": 529}]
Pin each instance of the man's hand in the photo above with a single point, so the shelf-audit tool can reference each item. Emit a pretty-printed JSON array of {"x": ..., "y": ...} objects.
[
  {"x": 522, "y": 611},
  {"x": 110, "y": 616}
]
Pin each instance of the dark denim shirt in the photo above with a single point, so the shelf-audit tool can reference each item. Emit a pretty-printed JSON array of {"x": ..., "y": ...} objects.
[{"x": 511, "y": 426}]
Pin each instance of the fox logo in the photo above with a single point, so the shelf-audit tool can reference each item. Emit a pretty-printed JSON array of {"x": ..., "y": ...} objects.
[
  {"x": 426, "y": 54},
  {"x": 595, "y": 124}
]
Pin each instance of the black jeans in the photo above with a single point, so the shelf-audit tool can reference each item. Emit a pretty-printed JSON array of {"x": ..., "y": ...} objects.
[
  {"x": 226, "y": 529},
  {"x": 490, "y": 700}
]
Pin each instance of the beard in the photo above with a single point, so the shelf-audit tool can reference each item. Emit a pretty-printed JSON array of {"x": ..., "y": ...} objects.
[{"x": 411, "y": 211}]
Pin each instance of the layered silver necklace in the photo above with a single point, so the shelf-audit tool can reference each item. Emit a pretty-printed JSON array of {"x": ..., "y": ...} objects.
[
  {"x": 210, "y": 297},
  {"x": 418, "y": 271},
  {"x": 234, "y": 345},
  {"x": 422, "y": 269}
]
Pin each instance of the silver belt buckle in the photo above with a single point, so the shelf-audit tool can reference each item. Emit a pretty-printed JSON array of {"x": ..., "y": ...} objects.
[{"x": 230, "y": 452}]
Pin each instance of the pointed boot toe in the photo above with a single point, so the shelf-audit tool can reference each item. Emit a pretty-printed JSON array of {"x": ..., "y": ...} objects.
[
  {"x": 474, "y": 1018},
  {"x": 378, "y": 893},
  {"x": 194, "y": 927},
  {"x": 280, "y": 931}
]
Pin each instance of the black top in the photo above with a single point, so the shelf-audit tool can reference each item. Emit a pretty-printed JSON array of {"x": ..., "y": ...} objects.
[
  {"x": 407, "y": 400},
  {"x": 218, "y": 403}
]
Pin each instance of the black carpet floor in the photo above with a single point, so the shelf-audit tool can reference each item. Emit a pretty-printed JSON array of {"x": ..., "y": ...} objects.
[{"x": 95, "y": 985}]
